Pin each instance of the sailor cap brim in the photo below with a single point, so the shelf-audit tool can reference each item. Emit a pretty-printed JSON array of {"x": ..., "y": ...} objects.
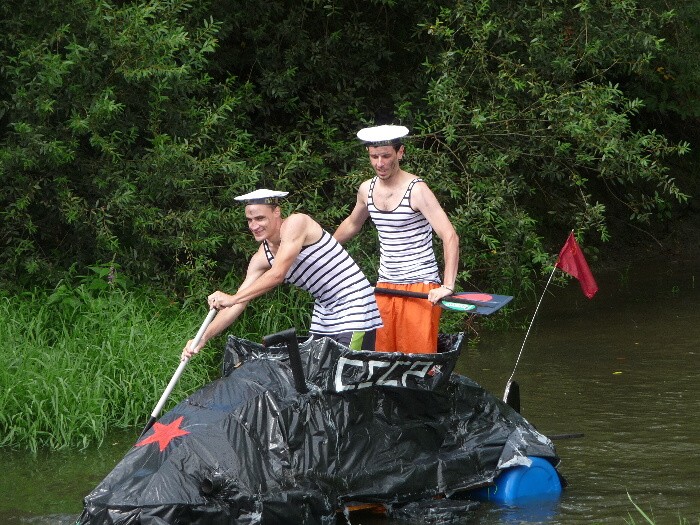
[
  {"x": 262, "y": 196},
  {"x": 385, "y": 135}
]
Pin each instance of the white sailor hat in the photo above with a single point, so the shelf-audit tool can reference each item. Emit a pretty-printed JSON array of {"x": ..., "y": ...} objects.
[
  {"x": 262, "y": 196},
  {"x": 384, "y": 135}
]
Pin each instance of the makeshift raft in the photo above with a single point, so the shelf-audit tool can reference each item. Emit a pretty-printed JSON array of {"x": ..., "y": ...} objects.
[{"x": 298, "y": 433}]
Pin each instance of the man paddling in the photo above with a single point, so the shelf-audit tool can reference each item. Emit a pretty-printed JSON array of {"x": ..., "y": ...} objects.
[
  {"x": 297, "y": 250},
  {"x": 405, "y": 213}
]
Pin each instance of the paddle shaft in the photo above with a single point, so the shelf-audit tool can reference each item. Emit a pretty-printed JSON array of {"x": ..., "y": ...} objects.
[
  {"x": 573, "y": 435},
  {"x": 178, "y": 373},
  {"x": 419, "y": 295}
]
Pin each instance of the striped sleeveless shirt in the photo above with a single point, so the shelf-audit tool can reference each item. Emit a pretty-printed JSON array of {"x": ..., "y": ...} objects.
[
  {"x": 406, "y": 253},
  {"x": 344, "y": 299}
]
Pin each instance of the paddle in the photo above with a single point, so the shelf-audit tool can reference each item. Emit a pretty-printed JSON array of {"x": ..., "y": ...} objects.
[
  {"x": 177, "y": 374},
  {"x": 470, "y": 302}
]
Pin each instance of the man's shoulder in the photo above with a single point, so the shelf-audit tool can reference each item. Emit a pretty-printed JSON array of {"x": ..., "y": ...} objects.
[
  {"x": 420, "y": 185},
  {"x": 422, "y": 196},
  {"x": 299, "y": 219},
  {"x": 363, "y": 190},
  {"x": 300, "y": 223}
]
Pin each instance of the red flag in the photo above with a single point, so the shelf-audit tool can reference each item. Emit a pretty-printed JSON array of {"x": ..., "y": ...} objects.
[{"x": 572, "y": 261}]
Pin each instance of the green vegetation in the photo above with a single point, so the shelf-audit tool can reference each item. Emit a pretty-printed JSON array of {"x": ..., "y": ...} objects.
[
  {"x": 126, "y": 128},
  {"x": 91, "y": 357}
]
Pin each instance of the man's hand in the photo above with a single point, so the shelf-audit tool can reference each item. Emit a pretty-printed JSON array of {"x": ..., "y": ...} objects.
[
  {"x": 221, "y": 300},
  {"x": 436, "y": 294},
  {"x": 188, "y": 352}
]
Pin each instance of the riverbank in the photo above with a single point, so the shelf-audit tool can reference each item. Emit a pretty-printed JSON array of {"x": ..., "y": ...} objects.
[{"x": 84, "y": 360}]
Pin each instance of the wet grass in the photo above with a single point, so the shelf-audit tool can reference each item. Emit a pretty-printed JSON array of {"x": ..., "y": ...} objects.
[{"x": 80, "y": 361}]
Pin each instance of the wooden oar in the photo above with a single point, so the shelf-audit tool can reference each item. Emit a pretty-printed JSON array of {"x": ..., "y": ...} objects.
[
  {"x": 177, "y": 374},
  {"x": 457, "y": 302}
]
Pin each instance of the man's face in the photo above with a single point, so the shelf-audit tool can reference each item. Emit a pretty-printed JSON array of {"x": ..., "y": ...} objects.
[
  {"x": 385, "y": 160},
  {"x": 263, "y": 220}
]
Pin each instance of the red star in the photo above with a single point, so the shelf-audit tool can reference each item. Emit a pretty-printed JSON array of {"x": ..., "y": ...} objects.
[{"x": 163, "y": 434}]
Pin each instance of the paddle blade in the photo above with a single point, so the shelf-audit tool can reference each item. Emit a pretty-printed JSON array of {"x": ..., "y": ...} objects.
[
  {"x": 512, "y": 397},
  {"x": 148, "y": 426},
  {"x": 478, "y": 303}
]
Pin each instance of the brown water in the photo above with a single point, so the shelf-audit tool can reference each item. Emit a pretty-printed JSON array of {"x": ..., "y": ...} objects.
[{"x": 622, "y": 369}]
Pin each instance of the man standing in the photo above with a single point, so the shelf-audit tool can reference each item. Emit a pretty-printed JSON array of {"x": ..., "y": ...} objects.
[
  {"x": 405, "y": 212},
  {"x": 297, "y": 250}
]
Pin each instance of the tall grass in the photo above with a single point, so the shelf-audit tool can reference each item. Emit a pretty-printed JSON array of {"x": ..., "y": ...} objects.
[{"x": 82, "y": 360}]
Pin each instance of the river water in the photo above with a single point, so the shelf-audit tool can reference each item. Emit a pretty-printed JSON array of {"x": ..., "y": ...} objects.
[{"x": 621, "y": 369}]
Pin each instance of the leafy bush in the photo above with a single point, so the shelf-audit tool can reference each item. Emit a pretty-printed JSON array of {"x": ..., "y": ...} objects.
[{"x": 128, "y": 127}]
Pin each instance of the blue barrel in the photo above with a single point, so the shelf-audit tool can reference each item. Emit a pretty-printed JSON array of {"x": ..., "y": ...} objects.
[{"x": 519, "y": 484}]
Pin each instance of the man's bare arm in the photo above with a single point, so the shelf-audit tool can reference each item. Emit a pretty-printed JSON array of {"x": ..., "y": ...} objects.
[
  {"x": 352, "y": 224},
  {"x": 227, "y": 315},
  {"x": 424, "y": 200}
]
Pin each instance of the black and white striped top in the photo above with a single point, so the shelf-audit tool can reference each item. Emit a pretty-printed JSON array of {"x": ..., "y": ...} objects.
[
  {"x": 344, "y": 299},
  {"x": 406, "y": 253}
]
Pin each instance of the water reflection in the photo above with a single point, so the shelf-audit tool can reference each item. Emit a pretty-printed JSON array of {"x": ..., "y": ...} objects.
[
  {"x": 533, "y": 512},
  {"x": 621, "y": 369}
]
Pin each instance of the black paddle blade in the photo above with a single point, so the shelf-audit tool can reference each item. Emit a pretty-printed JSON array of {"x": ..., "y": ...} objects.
[
  {"x": 513, "y": 396},
  {"x": 475, "y": 302},
  {"x": 148, "y": 426},
  {"x": 469, "y": 302}
]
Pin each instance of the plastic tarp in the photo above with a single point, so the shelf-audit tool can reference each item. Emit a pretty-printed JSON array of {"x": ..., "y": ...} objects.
[{"x": 373, "y": 427}]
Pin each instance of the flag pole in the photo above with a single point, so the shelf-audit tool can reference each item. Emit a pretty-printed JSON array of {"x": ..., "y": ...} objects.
[
  {"x": 510, "y": 379},
  {"x": 571, "y": 261}
]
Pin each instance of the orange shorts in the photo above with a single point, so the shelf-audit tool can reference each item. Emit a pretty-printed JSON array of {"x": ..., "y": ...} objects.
[{"x": 410, "y": 324}]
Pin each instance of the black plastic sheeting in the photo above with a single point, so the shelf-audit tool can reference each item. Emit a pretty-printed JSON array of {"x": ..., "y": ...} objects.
[{"x": 374, "y": 427}]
